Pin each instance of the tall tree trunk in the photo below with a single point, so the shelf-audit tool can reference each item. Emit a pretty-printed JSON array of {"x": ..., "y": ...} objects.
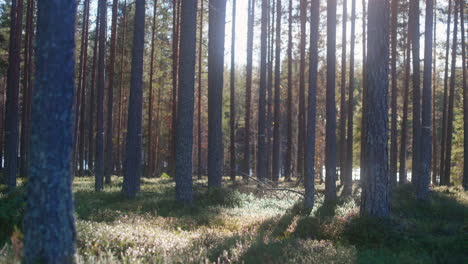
[
  {"x": 133, "y": 166},
  {"x": 109, "y": 146},
  {"x": 12, "y": 94},
  {"x": 232, "y": 111},
  {"x": 175, "y": 79},
  {"x": 200, "y": 67},
  {"x": 330, "y": 137},
  {"x": 277, "y": 112},
  {"x": 393, "y": 132},
  {"x": 101, "y": 82},
  {"x": 248, "y": 89},
  {"x": 342, "y": 146},
  {"x": 374, "y": 201},
  {"x": 269, "y": 104},
  {"x": 416, "y": 158},
  {"x": 92, "y": 101},
  {"x": 434, "y": 106},
  {"x": 364, "y": 87},
  {"x": 301, "y": 126},
  {"x": 27, "y": 89},
  {"x": 288, "y": 165},
  {"x": 184, "y": 133},
  {"x": 443, "y": 143},
  {"x": 309, "y": 179},
  {"x": 426, "y": 146},
  {"x": 448, "y": 155},
  {"x": 2, "y": 123},
  {"x": 217, "y": 18},
  {"x": 150, "y": 159},
  {"x": 465, "y": 99},
  {"x": 348, "y": 170},
  {"x": 84, "y": 76},
  {"x": 261, "y": 155},
  {"x": 49, "y": 208},
  {"x": 404, "y": 123},
  {"x": 120, "y": 117}
]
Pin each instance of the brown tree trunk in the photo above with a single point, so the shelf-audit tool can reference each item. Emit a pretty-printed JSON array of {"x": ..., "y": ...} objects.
[
  {"x": 465, "y": 99},
  {"x": 122, "y": 63},
  {"x": 200, "y": 67},
  {"x": 232, "y": 111},
  {"x": 434, "y": 106},
  {"x": 277, "y": 112},
  {"x": 289, "y": 136},
  {"x": 364, "y": 60},
  {"x": 150, "y": 159},
  {"x": 301, "y": 121},
  {"x": 342, "y": 143},
  {"x": 393, "y": 132}
]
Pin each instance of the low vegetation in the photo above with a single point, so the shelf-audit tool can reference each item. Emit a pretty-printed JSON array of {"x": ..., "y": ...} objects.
[{"x": 242, "y": 223}]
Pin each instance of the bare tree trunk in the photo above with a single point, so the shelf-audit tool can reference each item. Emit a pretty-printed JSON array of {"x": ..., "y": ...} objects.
[
  {"x": 434, "y": 106},
  {"x": 232, "y": 117},
  {"x": 330, "y": 149},
  {"x": 261, "y": 155},
  {"x": 342, "y": 142},
  {"x": 92, "y": 101},
  {"x": 12, "y": 94},
  {"x": 248, "y": 89},
  {"x": 422, "y": 190},
  {"x": 289, "y": 136},
  {"x": 348, "y": 170},
  {"x": 133, "y": 159},
  {"x": 301, "y": 126},
  {"x": 309, "y": 179},
  {"x": 465, "y": 99},
  {"x": 200, "y": 67},
  {"x": 364, "y": 89},
  {"x": 374, "y": 201},
  {"x": 443, "y": 143},
  {"x": 448, "y": 155},
  {"x": 277, "y": 112},
  {"x": 393, "y": 133},
  {"x": 404, "y": 123},
  {"x": 150, "y": 159},
  {"x": 175, "y": 79}
]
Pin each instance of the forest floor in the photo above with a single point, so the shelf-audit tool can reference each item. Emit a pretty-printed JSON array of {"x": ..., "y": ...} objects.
[{"x": 244, "y": 224}]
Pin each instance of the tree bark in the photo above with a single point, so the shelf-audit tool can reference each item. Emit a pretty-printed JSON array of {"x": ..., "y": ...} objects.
[
  {"x": 49, "y": 222},
  {"x": 200, "y": 67},
  {"x": 309, "y": 179},
  {"x": 426, "y": 146},
  {"x": 184, "y": 133},
  {"x": 288, "y": 165},
  {"x": 302, "y": 111},
  {"x": 232, "y": 111},
  {"x": 261, "y": 155},
  {"x": 393, "y": 132},
  {"x": 374, "y": 201},
  {"x": 465, "y": 99},
  {"x": 217, "y": 18},
  {"x": 277, "y": 112},
  {"x": 150, "y": 159},
  {"x": 342, "y": 142},
  {"x": 330, "y": 138},
  {"x": 404, "y": 123},
  {"x": 133, "y": 159}
]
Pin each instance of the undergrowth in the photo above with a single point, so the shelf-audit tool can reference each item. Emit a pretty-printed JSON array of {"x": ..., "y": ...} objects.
[{"x": 242, "y": 224}]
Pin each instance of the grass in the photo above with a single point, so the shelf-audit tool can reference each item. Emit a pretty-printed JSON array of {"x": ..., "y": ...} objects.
[{"x": 242, "y": 224}]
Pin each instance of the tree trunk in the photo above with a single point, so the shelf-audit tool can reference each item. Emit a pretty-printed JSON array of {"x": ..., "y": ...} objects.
[
  {"x": 184, "y": 133},
  {"x": 248, "y": 89},
  {"x": 92, "y": 101},
  {"x": 393, "y": 132},
  {"x": 288, "y": 165},
  {"x": 109, "y": 146},
  {"x": 342, "y": 143},
  {"x": 12, "y": 94},
  {"x": 301, "y": 126},
  {"x": 309, "y": 179},
  {"x": 374, "y": 201},
  {"x": 443, "y": 143},
  {"x": 119, "y": 121},
  {"x": 448, "y": 155},
  {"x": 133, "y": 160},
  {"x": 261, "y": 155},
  {"x": 150, "y": 159},
  {"x": 232, "y": 111},
  {"x": 404, "y": 123},
  {"x": 27, "y": 89},
  {"x": 434, "y": 106},
  {"x": 49, "y": 208},
  {"x": 200, "y": 67},
  {"x": 99, "y": 166},
  {"x": 364, "y": 88},
  {"x": 426, "y": 147},
  {"x": 330, "y": 144},
  {"x": 414, "y": 28},
  {"x": 175, "y": 70},
  {"x": 217, "y": 18},
  {"x": 348, "y": 170},
  {"x": 465, "y": 99},
  {"x": 277, "y": 112}
]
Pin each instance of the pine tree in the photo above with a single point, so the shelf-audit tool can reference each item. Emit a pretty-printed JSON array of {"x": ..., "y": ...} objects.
[
  {"x": 184, "y": 132},
  {"x": 374, "y": 201},
  {"x": 49, "y": 228},
  {"x": 133, "y": 164},
  {"x": 277, "y": 111}
]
